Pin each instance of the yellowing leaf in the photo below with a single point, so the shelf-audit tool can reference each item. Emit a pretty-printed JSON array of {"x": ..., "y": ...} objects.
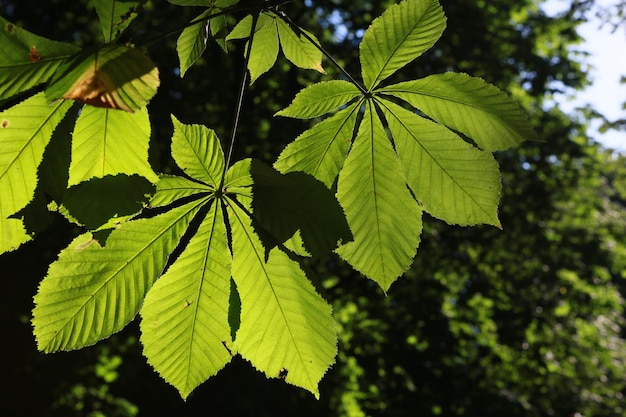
[{"x": 114, "y": 77}]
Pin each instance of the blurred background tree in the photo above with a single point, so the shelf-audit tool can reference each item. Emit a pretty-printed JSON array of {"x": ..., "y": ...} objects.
[{"x": 524, "y": 321}]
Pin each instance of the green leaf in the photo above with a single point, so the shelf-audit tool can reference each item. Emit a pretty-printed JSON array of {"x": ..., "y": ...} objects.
[
  {"x": 401, "y": 34},
  {"x": 91, "y": 292},
  {"x": 192, "y": 42},
  {"x": 197, "y": 150},
  {"x": 25, "y": 130},
  {"x": 298, "y": 203},
  {"x": 205, "y": 3},
  {"x": 265, "y": 43},
  {"x": 115, "y": 16},
  {"x": 184, "y": 327},
  {"x": 109, "y": 142},
  {"x": 114, "y": 77},
  {"x": 172, "y": 188},
  {"x": 383, "y": 216},
  {"x": 12, "y": 233},
  {"x": 469, "y": 105},
  {"x": 320, "y": 98},
  {"x": 287, "y": 329},
  {"x": 454, "y": 181},
  {"x": 27, "y": 60},
  {"x": 321, "y": 150},
  {"x": 298, "y": 49}
]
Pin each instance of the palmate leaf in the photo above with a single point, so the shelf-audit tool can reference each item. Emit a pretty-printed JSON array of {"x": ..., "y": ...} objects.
[
  {"x": 91, "y": 292},
  {"x": 454, "y": 181},
  {"x": 110, "y": 142},
  {"x": 25, "y": 130},
  {"x": 320, "y": 98},
  {"x": 469, "y": 105},
  {"x": 114, "y": 77},
  {"x": 384, "y": 218},
  {"x": 27, "y": 60},
  {"x": 184, "y": 327},
  {"x": 115, "y": 16},
  {"x": 271, "y": 32},
  {"x": 401, "y": 34},
  {"x": 172, "y": 188},
  {"x": 321, "y": 150},
  {"x": 286, "y": 329}
]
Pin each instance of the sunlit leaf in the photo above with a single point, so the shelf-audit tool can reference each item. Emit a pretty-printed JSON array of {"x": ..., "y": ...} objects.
[
  {"x": 184, "y": 327},
  {"x": 320, "y": 98},
  {"x": 469, "y": 105},
  {"x": 192, "y": 42},
  {"x": 454, "y": 181},
  {"x": 298, "y": 49},
  {"x": 384, "y": 218},
  {"x": 91, "y": 292},
  {"x": 171, "y": 188},
  {"x": 287, "y": 330},
  {"x": 114, "y": 77},
  {"x": 109, "y": 142},
  {"x": 27, "y": 60},
  {"x": 25, "y": 130},
  {"x": 401, "y": 34},
  {"x": 197, "y": 150},
  {"x": 321, "y": 150}
]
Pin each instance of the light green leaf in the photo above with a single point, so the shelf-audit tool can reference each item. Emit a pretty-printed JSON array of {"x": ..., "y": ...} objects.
[
  {"x": 298, "y": 49},
  {"x": 287, "y": 329},
  {"x": 171, "y": 188},
  {"x": 115, "y": 16},
  {"x": 184, "y": 327},
  {"x": 192, "y": 42},
  {"x": 454, "y": 181},
  {"x": 12, "y": 233},
  {"x": 197, "y": 150},
  {"x": 109, "y": 142},
  {"x": 238, "y": 179},
  {"x": 265, "y": 44},
  {"x": 25, "y": 130},
  {"x": 320, "y": 98},
  {"x": 114, "y": 77},
  {"x": 91, "y": 292},
  {"x": 27, "y": 60},
  {"x": 401, "y": 34},
  {"x": 384, "y": 218},
  {"x": 321, "y": 150},
  {"x": 469, "y": 105}
]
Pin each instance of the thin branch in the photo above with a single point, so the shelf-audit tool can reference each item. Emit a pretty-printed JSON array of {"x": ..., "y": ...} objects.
[{"x": 242, "y": 90}]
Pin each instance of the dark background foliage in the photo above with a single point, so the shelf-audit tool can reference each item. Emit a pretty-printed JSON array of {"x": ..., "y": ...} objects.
[{"x": 524, "y": 321}]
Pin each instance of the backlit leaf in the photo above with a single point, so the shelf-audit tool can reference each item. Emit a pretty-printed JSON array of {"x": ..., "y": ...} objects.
[
  {"x": 197, "y": 150},
  {"x": 114, "y": 77},
  {"x": 298, "y": 49},
  {"x": 454, "y": 181},
  {"x": 109, "y": 142},
  {"x": 469, "y": 105},
  {"x": 287, "y": 330},
  {"x": 321, "y": 150},
  {"x": 27, "y": 60},
  {"x": 91, "y": 292},
  {"x": 320, "y": 98},
  {"x": 401, "y": 34},
  {"x": 192, "y": 42},
  {"x": 171, "y": 188},
  {"x": 184, "y": 327},
  {"x": 385, "y": 220}
]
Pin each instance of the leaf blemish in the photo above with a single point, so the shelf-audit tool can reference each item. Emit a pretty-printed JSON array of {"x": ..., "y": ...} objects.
[
  {"x": 33, "y": 55},
  {"x": 11, "y": 28},
  {"x": 5, "y": 123},
  {"x": 187, "y": 303},
  {"x": 283, "y": 373}
]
